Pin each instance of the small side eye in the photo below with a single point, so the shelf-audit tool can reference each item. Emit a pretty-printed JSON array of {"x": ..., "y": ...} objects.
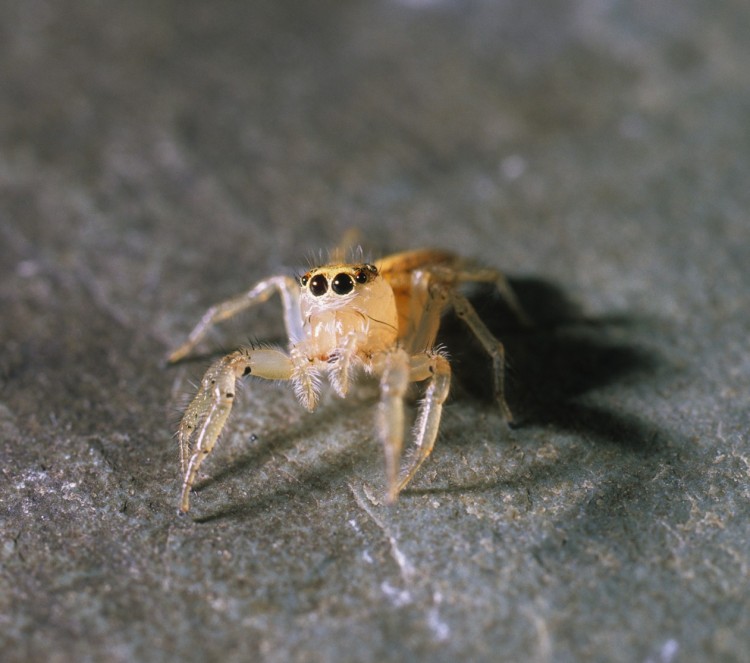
[
  {"x": 360, "y": 276},
  {"x": 318, "y": 285},
  {"x": 342, "y": 284},
  {"x": 304, "y": 279},
  {"x": 371, "y": 268}
]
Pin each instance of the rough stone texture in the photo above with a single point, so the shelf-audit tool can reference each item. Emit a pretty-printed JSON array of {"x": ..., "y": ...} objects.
[{"x": 156, "y": 157}]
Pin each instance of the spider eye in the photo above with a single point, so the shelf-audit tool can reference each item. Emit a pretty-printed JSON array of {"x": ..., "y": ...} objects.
[
  {"x": 371, "y": 268},
  {"x": 318, "y": 285},
  {"x": 360, "y": 276},
  {"x": 342, "y": 284},
  {"x": 304, "y": 279}
]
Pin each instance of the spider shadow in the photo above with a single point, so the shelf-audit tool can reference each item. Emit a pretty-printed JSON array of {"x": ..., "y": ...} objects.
[
  {"x": 305, "y": 479},
  {"x": 267, "y": 451},
  {"x": 556, "y": 368},
  {"x": 554, "y": 363}
]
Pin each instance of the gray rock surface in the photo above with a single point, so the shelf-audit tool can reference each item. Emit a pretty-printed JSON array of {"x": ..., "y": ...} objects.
[{"x": 156, "y": 157}]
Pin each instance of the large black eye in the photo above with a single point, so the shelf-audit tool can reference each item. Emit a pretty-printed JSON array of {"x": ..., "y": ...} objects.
[
  {"x": 342, "y": 284},
  {"x": 318, "y": 285}
]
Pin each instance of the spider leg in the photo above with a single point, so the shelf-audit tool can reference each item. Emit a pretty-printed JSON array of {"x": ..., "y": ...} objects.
[
  {"x": 398, "y": 369},
  {"x": 435, "y": 367},
  {"x": 287, "y": 288},
  {"x": 492, "y": 346},
  {"x": 432, "y": 291},
  {"x": 394, "y": 370},
  {"x": 206, "y": 415},
  {"x": 501, "y": 284},
  {"x": 427, "y": 302}
]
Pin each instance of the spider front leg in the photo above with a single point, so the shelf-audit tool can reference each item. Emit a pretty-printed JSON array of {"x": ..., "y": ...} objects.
[
  {"x": 287, "y": 288},
  {"x": 435, "y": 367},
  {"x": 398, "y": 370},
  {"x": 390, "y": 418},
  {"x": 206, "y": 415}
]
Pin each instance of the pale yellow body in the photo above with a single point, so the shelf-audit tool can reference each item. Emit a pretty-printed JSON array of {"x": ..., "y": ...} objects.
[{"x": 341, "y": 318}]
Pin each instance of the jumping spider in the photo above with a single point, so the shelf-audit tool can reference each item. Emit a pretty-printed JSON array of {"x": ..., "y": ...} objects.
[{"x": 340, "y": 318}]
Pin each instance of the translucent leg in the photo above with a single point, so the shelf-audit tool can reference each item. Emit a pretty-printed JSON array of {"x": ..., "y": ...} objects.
[
  {"x": 427, "y": 303},
  {"x": 501, "y": 284},
  {"x": 286, "y": 286},
  {"x": 435, "y": 366},
  {"x": 494, "y": 348},
  {"x": 434, "y": 291},
  {"x": 394, "y": 380},
  {"x": 207, "y": 414}
]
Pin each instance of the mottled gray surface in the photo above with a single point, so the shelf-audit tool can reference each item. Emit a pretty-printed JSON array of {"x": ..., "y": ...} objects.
[{"x": 158, "y": 156}]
